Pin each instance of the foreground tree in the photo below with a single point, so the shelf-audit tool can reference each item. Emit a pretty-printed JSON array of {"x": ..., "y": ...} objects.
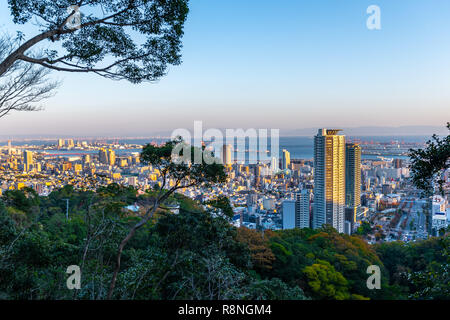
[
  {"x": 434, "y": 281},
  {"x": 22, "y": 85},
  {"x": 177, "y": 174},
  {"x": 429, "y": 164},
  {"x": 118, "y": 39}
]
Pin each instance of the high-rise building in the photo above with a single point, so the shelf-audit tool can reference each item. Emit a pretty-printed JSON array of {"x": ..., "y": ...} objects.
[
  {"x": 103, "y": 156},
  {"x": 274, "y": 165},
  {"x": 286, "y": 160},
  {"x": 296, "y": 213},
  {"x": 111, "y": 157},
  {"x": 61, "y": 143},
  {"x": 226, "y": 154},
  {"x": 70, "y": 143},
  {"x": 352, "y": 181},
  {"x": 9, "y": 147},
  {"x": 398, "y": 163},
  {"x": 288, "y": 214},
  {"x": 28, "y": 160},
  {"x": 329, "y": 179}
]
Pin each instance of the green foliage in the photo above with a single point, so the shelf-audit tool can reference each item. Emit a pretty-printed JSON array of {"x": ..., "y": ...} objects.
[
  {"x": 196, "y": 255},
  {"x": 325, "y": 282},
  {"x": 172, "y": 163},
  {"x": 349, "y": 255},
  {"x": 223, "y": 204},
  {"x": 116, "y": 39},
  {"x": 364, "y": 229},
  {"x": 273, "y": 289},
  {"x": 417, "y": 270},
  {"x": 428, "y": 164}
]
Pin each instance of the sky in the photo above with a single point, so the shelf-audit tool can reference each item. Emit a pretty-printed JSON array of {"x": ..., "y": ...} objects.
[{"x": 286, "y": 64}]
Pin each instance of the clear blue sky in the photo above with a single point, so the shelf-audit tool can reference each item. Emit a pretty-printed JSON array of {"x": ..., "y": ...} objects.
[{"x": 271, "y": 64}]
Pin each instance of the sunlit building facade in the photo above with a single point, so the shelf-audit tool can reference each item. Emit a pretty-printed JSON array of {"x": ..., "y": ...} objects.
[
  {"x": 329, "y": 179},
  {"x": 286, "y": 160}
]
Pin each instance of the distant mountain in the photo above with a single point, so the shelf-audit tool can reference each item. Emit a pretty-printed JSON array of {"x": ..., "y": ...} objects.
[
  {"x": 374, "y": 131},
  {"x": 354, "y": 131}
]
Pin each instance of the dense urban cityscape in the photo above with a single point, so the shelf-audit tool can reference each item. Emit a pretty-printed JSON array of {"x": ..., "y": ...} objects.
[{"x": 343, "y": 189}]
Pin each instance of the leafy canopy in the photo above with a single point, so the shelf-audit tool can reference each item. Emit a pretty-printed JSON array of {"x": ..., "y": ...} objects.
[
  {"x": 428, "y": 164},
  {"x": 118, "y": 39}
]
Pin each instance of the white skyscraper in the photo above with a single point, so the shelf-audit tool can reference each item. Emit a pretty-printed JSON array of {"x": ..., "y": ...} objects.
[
  {"x": 226, "y": 154},
  {"x": 274, "y": 165},
  {"x": 329, "y": 179}
]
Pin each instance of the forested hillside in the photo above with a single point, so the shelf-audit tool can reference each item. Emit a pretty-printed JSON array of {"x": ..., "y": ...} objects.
[{"x": 195, "y": 254}]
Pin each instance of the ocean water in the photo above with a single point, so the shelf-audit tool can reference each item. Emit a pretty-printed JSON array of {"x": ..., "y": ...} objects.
[{"x": 299, "y": 147}]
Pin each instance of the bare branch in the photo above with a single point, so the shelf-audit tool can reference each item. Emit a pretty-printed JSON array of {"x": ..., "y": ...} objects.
[{"x": 23, "y": 85}]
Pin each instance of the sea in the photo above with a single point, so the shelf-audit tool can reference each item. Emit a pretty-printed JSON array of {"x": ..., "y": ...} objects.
[{"x": 299, "y": 147}]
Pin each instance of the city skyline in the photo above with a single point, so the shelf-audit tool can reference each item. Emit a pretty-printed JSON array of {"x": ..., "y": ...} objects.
[
  {"x": 356, "y": 132},
  {"x": 324, "y": 67}
]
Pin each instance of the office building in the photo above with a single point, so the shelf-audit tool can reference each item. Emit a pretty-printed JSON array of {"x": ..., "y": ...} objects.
[{"x": 296, "y": 213}]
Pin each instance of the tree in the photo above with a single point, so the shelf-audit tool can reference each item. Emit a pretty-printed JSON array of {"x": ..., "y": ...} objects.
[
  {"x": 22, "y": 85},
  {"x": 223, "y": 205},
  {"x": 262, "y": 255},
  {"x": 183, "y": 174},
  {"x": 273, "y": 289},
  {"x": 428, "y": 165},
  {"x": 434, "y": 281},
  {"x": 117, "y": 39},
  {"x": 325, "y": 282},
  {"x": 364, "y": 229}
]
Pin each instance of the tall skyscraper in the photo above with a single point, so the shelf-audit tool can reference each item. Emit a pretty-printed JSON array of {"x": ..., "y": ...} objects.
[
  {"x": 28, "y": 159},
  {"x": 296, "y": 212},
  {"x": 61, "y": 143},
  {"x": 329, "y": 179},
  {"x": 352, "y": 182},
  {"x": 286, "y": 160},
  {"x": 226, "y": 154},
  {"x": 9, "y": 147},
  {"x": 111, "y": 157}
]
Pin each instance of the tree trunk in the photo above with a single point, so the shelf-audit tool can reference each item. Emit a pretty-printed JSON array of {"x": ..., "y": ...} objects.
[{"x": 122, "y": 245}]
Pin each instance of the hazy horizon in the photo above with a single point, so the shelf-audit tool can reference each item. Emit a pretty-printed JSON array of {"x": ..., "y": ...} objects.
[{"x": 405, "y": 131}]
